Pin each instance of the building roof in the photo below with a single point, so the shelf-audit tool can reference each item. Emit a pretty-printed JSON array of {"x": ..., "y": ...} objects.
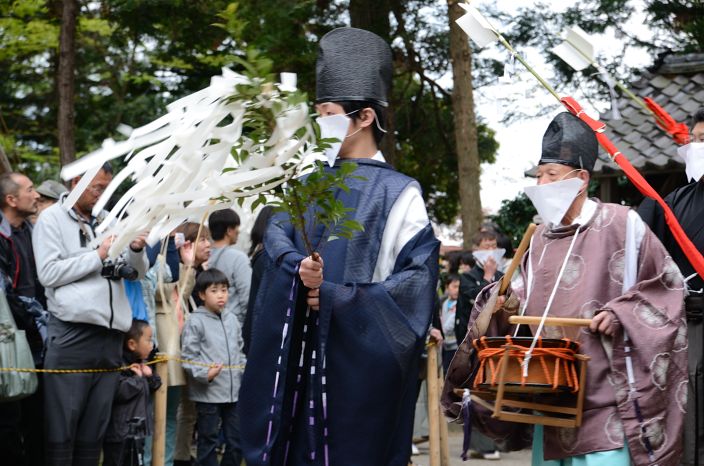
[{"x": 677, "y": 85}]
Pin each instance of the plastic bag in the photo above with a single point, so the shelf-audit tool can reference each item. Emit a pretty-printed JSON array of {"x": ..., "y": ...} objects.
[{"x": 14, "y": 352}]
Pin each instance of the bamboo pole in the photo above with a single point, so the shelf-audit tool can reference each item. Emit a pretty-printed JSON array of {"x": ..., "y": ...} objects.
[
  {"x": 553, "y": 321},
  {"x": 444, "y": 445},
  {"x": 517, "y": 258},
  {"x": 159, "y": 438},
  {"x": 433, "y": 405}
]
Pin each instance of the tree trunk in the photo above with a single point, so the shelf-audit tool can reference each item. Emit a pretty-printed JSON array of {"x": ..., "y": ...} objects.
[
  {"x": 5, "y": 166},
  {"x": 373, "y": 15},
  {"x": 465, "y": 126},
  {"x": 66, "y": 81}
]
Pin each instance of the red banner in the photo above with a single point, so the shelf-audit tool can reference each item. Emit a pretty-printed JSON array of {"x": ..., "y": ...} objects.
[
  {"x": 678, "y": 131},
  {"x": 693, "y": 255}
]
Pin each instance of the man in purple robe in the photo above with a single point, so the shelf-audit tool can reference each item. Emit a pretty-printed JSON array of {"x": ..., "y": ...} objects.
[{"x": 600, "y": 261}]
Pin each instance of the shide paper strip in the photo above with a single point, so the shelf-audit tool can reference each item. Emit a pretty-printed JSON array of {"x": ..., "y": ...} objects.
[
  {"x": 576, "y": 50},
  {"x": 182, "y": 163},
  {"x": 477, "y": 27}
]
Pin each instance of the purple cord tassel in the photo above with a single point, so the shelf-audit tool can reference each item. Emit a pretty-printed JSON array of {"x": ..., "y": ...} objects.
[
  {"x": 466, "y": 423},
  {"x": 279, "y": 367},
  {"x": 646, "y": 440}
]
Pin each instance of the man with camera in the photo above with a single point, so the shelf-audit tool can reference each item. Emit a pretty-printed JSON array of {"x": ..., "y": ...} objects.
[{"x": 89, "y": 315}]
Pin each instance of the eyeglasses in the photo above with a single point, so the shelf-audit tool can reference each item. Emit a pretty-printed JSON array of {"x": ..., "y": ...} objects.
[{"x": 96, "y": 190}]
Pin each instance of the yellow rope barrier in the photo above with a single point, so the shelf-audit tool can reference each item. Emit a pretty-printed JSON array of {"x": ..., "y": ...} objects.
[{"x": 118, "y": 369}]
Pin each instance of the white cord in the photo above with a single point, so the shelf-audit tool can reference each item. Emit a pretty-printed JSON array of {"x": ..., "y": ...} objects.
[{"x": 526, "y": 359}]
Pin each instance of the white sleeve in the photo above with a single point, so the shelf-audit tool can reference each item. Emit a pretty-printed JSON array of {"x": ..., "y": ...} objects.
[
  {"x": 406, "y": 218},
  {"x": 635, "y": 231}
]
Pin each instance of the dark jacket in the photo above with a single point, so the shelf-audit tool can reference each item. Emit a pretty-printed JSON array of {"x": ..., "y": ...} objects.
[
  {"x": 471, "y": 283},
  {"x": 257, "y": 271},
  {"x": 10, "y": 267},
  {"x": 131, "y": 400}
]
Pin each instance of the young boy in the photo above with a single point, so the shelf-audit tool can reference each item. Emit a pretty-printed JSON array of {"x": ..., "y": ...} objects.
[
  {"x": 211, "y": 337},
  {"x": 447, "y": 317},
  {"x": 131, "y": 404}
]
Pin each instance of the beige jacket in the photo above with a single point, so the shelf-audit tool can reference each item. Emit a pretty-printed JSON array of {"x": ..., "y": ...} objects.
[{"x": 172, "y": 302}]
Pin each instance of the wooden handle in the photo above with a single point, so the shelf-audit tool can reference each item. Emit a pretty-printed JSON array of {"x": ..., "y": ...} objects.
[
  {"x": 517, "y": 258},
  {"x": 552, "y": 321}
]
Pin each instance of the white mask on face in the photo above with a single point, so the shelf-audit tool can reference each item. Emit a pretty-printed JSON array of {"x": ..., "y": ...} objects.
[
  {"x": 334, "y": 127},
  {"x": 553, "y": 200},
  {"x": 482, "y": 255},
  {"x": 693, "y": 156}
]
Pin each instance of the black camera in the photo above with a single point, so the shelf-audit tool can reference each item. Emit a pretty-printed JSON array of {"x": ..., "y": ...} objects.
[
  {"x": 136, "y": 432},
  {"x": 118, "y": 269}
]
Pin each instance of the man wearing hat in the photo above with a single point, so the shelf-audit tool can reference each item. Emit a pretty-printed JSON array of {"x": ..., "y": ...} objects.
[
  {"x": 333, "y": 366},
  {"x": 49, "y": 193},
  {"x": 599, "y": 261},
  {"x": 687, "y": 203}
]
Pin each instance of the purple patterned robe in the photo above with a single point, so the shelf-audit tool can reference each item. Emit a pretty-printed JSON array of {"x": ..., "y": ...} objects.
[{"x": 651, "y": 313}]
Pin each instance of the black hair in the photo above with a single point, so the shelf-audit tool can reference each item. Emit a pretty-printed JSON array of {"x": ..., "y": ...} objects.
[
  {"x": 210, "y": 277},
  {"x": 453, "y": 261},
  {"x": 356, "y": 106},
  {"x": 135, "y": 332},
  {"x": 452, "y": 277},
  {"x": 467, "y": 258},
  {"x": 259, "y": 228},
  {"x": 504, "y": 242},
  {"x": 220, "y": 220},
  {"x": 697, "y": 117},
  {"x": 8, "y": 187},
  {"x": 107, "y": 168}
]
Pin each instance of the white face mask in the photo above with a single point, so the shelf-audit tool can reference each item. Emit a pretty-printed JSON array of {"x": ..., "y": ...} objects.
[
  {"x": 693, "y": 156},
  {"x": 482, "y": 255},
  {"x": 334, "y": 127},
  {"x": 553, "y": 200}
]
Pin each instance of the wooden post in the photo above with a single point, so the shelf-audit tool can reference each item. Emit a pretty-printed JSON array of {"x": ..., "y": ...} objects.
[
  {"x": 433, "y": 405},
  {"x": 159, "y": 438},
  {"x": 444, "y": 445}
]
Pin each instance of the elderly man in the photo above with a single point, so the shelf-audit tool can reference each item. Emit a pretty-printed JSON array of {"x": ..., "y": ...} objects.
[
  {"x": 21, "y": 422},
  {"x": 89, "y": 313},
  {"x": 687, "y": 203},
  {"x": 595, "y": 260}
]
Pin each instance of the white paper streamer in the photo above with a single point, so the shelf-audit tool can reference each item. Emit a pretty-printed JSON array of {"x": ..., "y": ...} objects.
[
  {"x": 476, "y": 26},
  {"x": 177, "y": 160},
  {"x": 577, "y": 49}
]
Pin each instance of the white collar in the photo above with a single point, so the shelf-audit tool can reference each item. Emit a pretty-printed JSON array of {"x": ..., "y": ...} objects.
[
  {"x": 588, "y": 209},
  {"x": 379, "y": 157}
]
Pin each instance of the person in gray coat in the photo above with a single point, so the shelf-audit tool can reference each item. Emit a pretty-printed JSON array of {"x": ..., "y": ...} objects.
[
  {"x": 89, "y": 313},
  {"x": 212, "y": 341}
]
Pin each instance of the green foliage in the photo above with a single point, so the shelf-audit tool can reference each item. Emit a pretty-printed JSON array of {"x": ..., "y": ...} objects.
[
  {"x": 135, "y": 56},
  {"x": 308, "y": 201},
  {"x": 514, "y": 216},
  {"x": 315, "y": 194}
]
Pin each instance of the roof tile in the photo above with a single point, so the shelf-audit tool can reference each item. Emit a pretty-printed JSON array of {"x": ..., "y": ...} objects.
[
  {"x": 636, "y": 134},
  {"x": 671, "y": 90},
  {"x": 659, "y": 82}
]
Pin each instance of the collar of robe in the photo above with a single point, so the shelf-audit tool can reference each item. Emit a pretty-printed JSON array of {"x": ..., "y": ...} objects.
[{"x": 564, "y": 231}]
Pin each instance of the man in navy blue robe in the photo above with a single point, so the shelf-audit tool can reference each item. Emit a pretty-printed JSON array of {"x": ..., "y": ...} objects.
[
  {"x": 332, "y": 370},
  {"x": 687, "y": 203}
]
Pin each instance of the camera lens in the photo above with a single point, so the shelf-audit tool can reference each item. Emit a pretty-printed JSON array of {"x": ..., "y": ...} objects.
[{"x": 126, "y": 272}]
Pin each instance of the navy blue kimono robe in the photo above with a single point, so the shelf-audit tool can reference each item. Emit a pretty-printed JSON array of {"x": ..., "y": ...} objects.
[{"x": 338, "y": 386}]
